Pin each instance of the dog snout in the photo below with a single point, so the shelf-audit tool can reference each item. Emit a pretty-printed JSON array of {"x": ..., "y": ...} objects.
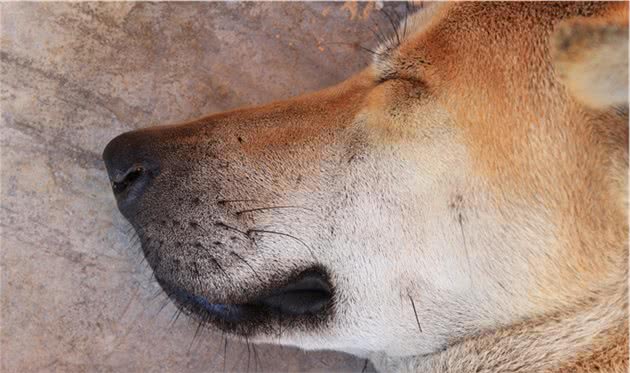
[{"x": 131, "y": 166}]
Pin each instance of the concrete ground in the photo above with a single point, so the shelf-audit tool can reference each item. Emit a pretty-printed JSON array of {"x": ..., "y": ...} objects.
[{"x": 74, "y": 293}]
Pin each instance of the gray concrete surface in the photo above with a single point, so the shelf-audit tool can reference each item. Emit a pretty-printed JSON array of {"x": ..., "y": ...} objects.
[{"x": 74, "y": 293}]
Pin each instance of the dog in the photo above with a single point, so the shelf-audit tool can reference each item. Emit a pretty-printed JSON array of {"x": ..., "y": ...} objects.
[{"x": 458, "y": 206}]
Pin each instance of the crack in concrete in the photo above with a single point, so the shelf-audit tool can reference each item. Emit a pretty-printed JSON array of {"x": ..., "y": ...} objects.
[{"x": 65, "y": 83}]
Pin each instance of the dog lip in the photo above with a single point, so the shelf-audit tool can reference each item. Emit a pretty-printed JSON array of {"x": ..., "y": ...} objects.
[
  {"x": 228, "y": 312},
  {"x": 307, "y": 294}
]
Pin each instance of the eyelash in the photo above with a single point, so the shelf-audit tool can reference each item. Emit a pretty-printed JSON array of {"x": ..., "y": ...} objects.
[{"x": 383, "y": 79}]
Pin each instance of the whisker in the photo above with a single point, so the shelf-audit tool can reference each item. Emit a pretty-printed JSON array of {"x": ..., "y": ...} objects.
[
  {"x": 397, "y": 19},
  {"x": 280, "y": 328},
  {"x": 273, "y": 208},
  {"x": 394, "y": 27},
  {"x": 226, "y": 201},
  {"x": 225, "y": 226},
  {"x": 405, "y": 20},
  {"x": 460, "y": 220},
  {"x": 152, "y": 281},
  {"x": 134, "y": 297},
  {"x": 282, "y": 234},
  {"x": 225, "y": 353},
  {"x": 415, "y": 312},
  {"x": 199, "y": 323},
  {"x": 174, "y": 318},
  {"x": 383, "y": 36},
  {"x": 370, "y": 51},
  {"x": 377, "y": 35},
  {"x": 365, "y": 365},
  {"x": 248, "y": 353},
  {"x": 256, "y": 360},
  {"x": 355, "y": 45},
  {"x": 130, "y": 232},
  {"x": 133, "y": 242},
  {"x": 164, "y": 304},
  {"x": 156, "y": 294},
  {"x": 218, "y": 351},
  {"x": 141, "y": 256},
  {"x": 196, "y": 225},
  {"x": 197, "y": 277},
  {"x": 247, "y": 264},
  {"x": 218, "y": 265}
]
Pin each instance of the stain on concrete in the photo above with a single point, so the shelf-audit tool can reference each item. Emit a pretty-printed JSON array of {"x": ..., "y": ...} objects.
[{"x": 75, "y": 293}]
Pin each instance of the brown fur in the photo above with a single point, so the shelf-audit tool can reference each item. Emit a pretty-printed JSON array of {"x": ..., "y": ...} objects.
[
  {"x": 465, "y": 76},
  {"x": 499, "y": 95}
]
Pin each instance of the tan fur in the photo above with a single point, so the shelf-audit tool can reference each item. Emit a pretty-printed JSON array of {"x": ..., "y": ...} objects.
[
  {"x": 477, "y": 173},
  {"x": 591, "y": 57}
]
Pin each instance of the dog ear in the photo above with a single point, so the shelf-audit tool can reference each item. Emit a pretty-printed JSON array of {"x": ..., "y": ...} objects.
[{"x": 591, "y": 57}]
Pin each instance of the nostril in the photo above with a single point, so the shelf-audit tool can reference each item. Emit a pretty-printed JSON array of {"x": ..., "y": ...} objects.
[
  {"x": 128, "y": 179},
  {"x": 133, "y": 164}
]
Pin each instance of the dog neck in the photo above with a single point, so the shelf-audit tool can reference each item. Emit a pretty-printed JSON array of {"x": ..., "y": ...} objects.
[{"x": 592, "y": 337}]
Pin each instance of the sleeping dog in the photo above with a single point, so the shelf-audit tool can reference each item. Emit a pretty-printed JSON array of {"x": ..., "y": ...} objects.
[{"x": 458, "y": 206}]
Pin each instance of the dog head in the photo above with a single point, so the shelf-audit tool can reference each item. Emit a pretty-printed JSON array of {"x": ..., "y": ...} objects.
[{"x": 472, "y": 177}]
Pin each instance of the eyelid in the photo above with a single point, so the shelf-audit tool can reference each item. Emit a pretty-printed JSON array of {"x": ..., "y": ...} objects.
[
  {"x": 412, "y": 80},
  {"x": 382, "y": 78}
]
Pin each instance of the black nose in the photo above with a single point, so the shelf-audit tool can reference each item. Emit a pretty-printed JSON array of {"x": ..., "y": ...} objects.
[{"x": 131, "y": 167}]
